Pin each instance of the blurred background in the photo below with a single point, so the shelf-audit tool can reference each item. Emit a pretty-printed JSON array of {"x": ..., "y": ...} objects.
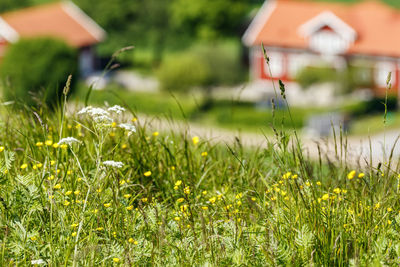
[{"x": 202, "y": 61}]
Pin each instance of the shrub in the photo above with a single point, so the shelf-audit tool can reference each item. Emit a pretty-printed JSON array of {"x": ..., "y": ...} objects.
[
  {"x": 37, "y": 67},
  {"x": 182, "y": 72},
  {"x": 313, "y": 75}
]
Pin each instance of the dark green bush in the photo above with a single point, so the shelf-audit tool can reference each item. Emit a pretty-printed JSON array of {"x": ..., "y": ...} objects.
[
  {"x": 37, "y": 68},
  {"x": 182, "y": 72}
]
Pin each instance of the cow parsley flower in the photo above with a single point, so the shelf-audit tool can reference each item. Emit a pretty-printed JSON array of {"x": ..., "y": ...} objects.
[
  {"x": 117, "y": 109},
  {"x": 68, "y": 141},
  {"x": 128, "y": 127},
  {"x": 97, "y": 114},
  {"x": 115, "y": 164},
  {"x": 38, "y": 262}
]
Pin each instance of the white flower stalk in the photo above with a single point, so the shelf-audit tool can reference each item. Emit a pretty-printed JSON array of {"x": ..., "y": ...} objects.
[
  {"x": 104, "y": 119},
  {"x": 97, "y": 114},
  {"x": 128, "y": 127},
  {"x": 68, "y": 141},
  {"x": 114, "y": 164},
  {"x": 117, "y": 109}
]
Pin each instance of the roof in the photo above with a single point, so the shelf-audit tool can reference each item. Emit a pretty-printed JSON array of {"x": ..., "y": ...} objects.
[
  {"x": 279, "y": 23},
  {"x": 63, "y": 20}
]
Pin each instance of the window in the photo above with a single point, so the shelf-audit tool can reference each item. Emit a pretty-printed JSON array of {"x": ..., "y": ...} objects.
[
  {"x": 382, "y": 70},
  {"x": 328, "y": 42},
  {"x": 276, "y": 64}
]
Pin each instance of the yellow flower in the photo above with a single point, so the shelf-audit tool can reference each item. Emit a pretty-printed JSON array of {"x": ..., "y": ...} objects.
[
  {"x": 51, "y": 177},
  {"x": 1, "y": 148},
  {"x": 239, "y": 202},
  {"x": 5, "y": 171},
  {"x": 361, "y": 175},
  {"x": 52, "y": 162},
  {"x": 124, "y": 146},
  {"x": 116, "y": 260},
  {"x": 325, "y": 197},
  {"x": 204, "y": 154},
  {"x": 122, "y": 182},
  {"x": 204, "y": 192},
  {"x": 66, "y": 203},
  {"x": 132, "y": 241},
  {"x": 147, "y": 174},
  {"x": 129, "y": 207},
  {"x": 56, "y": 145},
  {"x": 204, "y": 208},
  {"x": 39, "y": 144},
  {"x": 99, "y": 229},
  {"x": 178, "y": 183},
  {"x": 134, "y": 119},
  {"x": 294, "y": 176},
  {"x": 57, "y": 186},
  {"x": 127, "y": 195},
  {"x": 76, "y": 192},
  {"x": 389, "y": 209},
  {"x": 240, "y": 195},
  {"x": 319, "y": 183},
  {"x": 195, "y": 140},
  {"x": 48, "y": 142},
  {"x": 173, "y": 168},
  {"x": 156, "y": 133},
  {"x": 24, "y": 166},
  {"x": 64, "y": 146},
  {"x": 337, "y": 190},
  {"x": 39, "y": 165},
  {"x": 212, "y": 200},
  {"x": 95, "y": 211},
  {"x": 107, "y": 205},
  {"x": 79, "y": 179},
  {"x": 177, "y": 219},
  {"x": 74, "y": 225},
  {"x": 74, "y": 234},
  {"x": 180, "y": 200},
  {"x": 69, "y": 172},
  {"x": 351, "y": 174},
  {"x": 186, "y": 190},
  {"x": 114, "y": 124},
  {"x": 377, "y": 206},
  {"x": 389, "y": 222},
  {"x": 33, "y": 238},
  {"x": 144, "y": 199}
]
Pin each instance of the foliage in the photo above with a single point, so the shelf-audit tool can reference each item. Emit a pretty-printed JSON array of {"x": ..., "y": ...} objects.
[
  {"x": 313, "y": 75},
  {"x": 114, "y": 190},
  {"x": 37, "y": 66},
  {"x": 182, "y": 72}
]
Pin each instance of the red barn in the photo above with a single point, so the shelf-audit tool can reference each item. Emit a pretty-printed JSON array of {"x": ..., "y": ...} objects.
[
  {"x": 297, "y": 34},
  {"x": 63, "y": 20}
]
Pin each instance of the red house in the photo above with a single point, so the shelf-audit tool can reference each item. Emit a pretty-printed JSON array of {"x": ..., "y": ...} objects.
[
  {"x": 62, "y": 20},
  {"x": 300, "y": 33}
]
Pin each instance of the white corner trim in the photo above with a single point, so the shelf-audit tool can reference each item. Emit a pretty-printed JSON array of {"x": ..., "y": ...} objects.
[
  {"x": 258, "y": 22},
  {"x": 84, "y": 20},
  {"x": 7, "y": 32},
  {"x": 327, "y": 18}
]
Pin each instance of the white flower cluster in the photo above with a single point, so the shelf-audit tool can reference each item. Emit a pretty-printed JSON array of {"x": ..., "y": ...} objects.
[
  {"x": 38, "y": 262},
  {"x": 128, "y": 127},
  {"x": 98, "y": 114},
  {"x": 115, "y": 164},
  {"x": 117, "y": 109},
  {"x": 68, "y": 141}
]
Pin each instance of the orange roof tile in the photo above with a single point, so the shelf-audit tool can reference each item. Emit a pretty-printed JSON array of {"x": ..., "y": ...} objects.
[
  {"x": 61, "y": 20},
  {"x": 376, "y": 24}
]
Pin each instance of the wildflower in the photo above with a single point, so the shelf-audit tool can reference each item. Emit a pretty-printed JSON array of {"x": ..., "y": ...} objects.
[
  {"x": 156, "y": 134},
  {"x": 33, "y": 238},
  {"x": 66, "y": 203},
  {"x": 144, "y": 199},
  {"x": 204, "y": 154},
  {"x": 127, "y": 195},
  {"x": 361, "y": 175},
  {"x": 122, "y": 182},
  {"x": 177, "y": 219},
  {"x": 52, "y": 162},
  {"x": 147, "y": 174},
  {"x": 39, "y": 144},
  {"x": 377, "y": 206},
  {"x": 99, "y": 229},
  {"x": 79, "y": 179},
  {"x": 68, "y": 141},
  {"x": 76, "y": 192},
  {"x": 57, "y": 186},
  {"x": 111, "y": 163},
  {"x": 128, "y": 127},
  {"x": 133, "y": 119},
  {"x": 64, "y": 146},
  {"x": 319, "y": 183},
  {"x": 74, "y": 234},
  {"x": 124, "y": 146},
  {"x": 95, "y": 211},
  {"x": 129, "y": 207},
  {"x": 240, "y": 195},
  {"x": 389, "y": 209},
  {"x": 24, "y": 166},
  {"x": 180, "y": 200},
  {"x": 286, "y": 175},
  {"x": 178, "y": 183},
  {"x": 173, "y": 168},
  {"x": 325, "y": 197},
  {"x": 239, "y": 202},
  {"x": 195, "y": 140},
  {"x": 204, "y": 193},
  {"x": 294, "y": 176},
  {"x": 74, "y": 225},
  {"x": 389, "y": 222},
  {"x": 186, "y": 190},
  {"x": 68, "y": 193},
  {"x": 107, "y": 205},
  {"x": 117, "y": 109},
  {"x": 337, "y": 190},
  {"x": 204, "y": 208},
  {"x": 48, "y": 142},
  {"x": 116, "y": 260},
  {"x": 212, "y": 200},
  {"x": 351, "y": 174}
]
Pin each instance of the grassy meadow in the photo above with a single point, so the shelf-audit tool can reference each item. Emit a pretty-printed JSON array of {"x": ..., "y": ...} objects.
[{"x": 96, "y": 186}]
